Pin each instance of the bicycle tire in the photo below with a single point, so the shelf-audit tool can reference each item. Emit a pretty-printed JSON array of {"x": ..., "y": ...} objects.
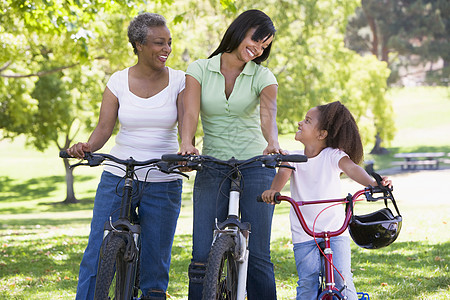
[
  {"x": 221, "y": 276},
  {"x": 110, "y": 270}
]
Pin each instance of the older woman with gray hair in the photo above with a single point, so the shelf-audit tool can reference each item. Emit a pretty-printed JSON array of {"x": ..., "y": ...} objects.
[{"x": 146, "y": 99}]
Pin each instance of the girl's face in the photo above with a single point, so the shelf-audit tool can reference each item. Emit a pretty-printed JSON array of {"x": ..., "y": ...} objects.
[
  {"x": 308, "y": 130},
  {"x": 157, "y": 48},
  {"x": 248, "y": 49}
]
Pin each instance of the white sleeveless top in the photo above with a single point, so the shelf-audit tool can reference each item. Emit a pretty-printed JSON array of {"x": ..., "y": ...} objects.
[
  {"x": 148, "y": 126},
  {"x": 317, "y": 179}
]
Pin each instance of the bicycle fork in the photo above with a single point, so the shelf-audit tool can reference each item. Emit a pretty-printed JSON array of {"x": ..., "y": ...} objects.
[
  {"x": 241, "y": 251},
  {"x": 330, "y": 288},
  {"x": 241, "y": 238}
]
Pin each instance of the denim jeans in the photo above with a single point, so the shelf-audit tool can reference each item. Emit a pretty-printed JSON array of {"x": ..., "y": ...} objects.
[
  {"x": 159, "y": 209},
  {"x": 307, "y": 259},
  {"x": 210, "y": 203}
]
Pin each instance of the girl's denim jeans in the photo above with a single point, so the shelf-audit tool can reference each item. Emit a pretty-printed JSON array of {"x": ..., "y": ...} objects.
[{"x": 308, "y": 261}]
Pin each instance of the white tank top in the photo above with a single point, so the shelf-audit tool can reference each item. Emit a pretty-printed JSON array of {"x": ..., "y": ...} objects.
[{"x": 148, "y": 126}]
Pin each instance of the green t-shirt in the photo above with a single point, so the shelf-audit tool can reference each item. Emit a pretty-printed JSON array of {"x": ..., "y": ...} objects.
[{"x": 232, "y": 127}]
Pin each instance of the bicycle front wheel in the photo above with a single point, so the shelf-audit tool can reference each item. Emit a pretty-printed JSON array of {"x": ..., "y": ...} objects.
[
  {"x": 221, "y": 276},
  {"x": 112, "y": 280}
]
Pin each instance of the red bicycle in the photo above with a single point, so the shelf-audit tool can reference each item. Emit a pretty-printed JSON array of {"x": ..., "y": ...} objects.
[{"x": 371, "y": 231}]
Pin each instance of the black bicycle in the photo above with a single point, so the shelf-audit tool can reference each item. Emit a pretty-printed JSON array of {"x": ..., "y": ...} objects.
[
  {"x": 118, "y": 268},
  {"x": 226, "y": 270}
]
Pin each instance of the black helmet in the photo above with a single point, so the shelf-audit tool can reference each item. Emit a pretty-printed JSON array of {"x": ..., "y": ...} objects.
[
  {"x": 375, "y": 230},
  {"x": 378, "y": 229}
]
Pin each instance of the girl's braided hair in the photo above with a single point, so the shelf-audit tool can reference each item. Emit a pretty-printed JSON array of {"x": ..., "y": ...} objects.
[{"x": 343, "y": 132}]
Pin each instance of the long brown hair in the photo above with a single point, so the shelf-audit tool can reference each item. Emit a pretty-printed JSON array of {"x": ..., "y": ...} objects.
[
  {"x": 236, "y": 32},
  {"x": 343, "y": 132}
]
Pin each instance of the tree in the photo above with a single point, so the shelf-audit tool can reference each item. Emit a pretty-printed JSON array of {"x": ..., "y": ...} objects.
[
  {"x": 59, "y": 55},
  {"x": 51, "y": 69},
  {"x": 406, "y": 28},
  {"x": 64, "y": 100}
]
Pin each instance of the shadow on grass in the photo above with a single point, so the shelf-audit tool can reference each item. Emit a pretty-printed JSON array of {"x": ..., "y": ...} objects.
[
  {"x": 403, "y": 270},
  {"x": 53, "y": 261},
  {"x": 54, "y": 207},
  {"x": 32, "y": 224},
  {"x": 13, "y": 191}
]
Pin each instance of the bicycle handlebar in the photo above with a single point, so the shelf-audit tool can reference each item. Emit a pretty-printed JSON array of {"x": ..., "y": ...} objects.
[
  {"x": 271, "y": 160},
  {"x": 95, "y": 159},
  {"x": 368, "y": 192}
]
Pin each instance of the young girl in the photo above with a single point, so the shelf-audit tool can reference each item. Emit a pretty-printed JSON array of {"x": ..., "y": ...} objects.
[{"x": 333, "y": 145}]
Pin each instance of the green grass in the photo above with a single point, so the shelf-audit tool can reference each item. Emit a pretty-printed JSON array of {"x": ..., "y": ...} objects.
[{"x": 42, "y": 240}]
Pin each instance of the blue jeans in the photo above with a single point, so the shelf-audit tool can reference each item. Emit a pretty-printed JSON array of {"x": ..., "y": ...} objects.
[
  {"x": 158, "y": 210},
  {"x": 307, "y": 259},
  {"x": 210, "y": 203}
]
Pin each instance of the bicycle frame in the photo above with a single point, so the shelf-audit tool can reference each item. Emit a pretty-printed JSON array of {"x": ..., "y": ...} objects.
[
  {"x": 232, "y": 226},
  {"x": 125, "y": 226},
  {"x": 330, "y": 289},
  {"x": 240, "y": 233}
]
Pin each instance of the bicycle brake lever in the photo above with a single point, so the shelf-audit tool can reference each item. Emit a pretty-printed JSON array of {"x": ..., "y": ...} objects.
[
  {"x": 181, "y": 173},
  {"x": 374, "y": 190},
  {"x": 78, "y": 164}
]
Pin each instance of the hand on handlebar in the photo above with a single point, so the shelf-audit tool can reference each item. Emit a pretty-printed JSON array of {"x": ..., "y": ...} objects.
[
  {"x": 188, "y": 149},
  {"x": 269, "y": 196},
  {"x": 385, "y": 181},
  {"x": 79, "y": 149},
  {"x": 272, "y": 149}
]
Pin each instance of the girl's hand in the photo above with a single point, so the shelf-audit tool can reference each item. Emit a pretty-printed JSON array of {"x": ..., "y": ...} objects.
[
  {"x": 268, "y": 196},
  {"x": 79, "y": 149},
  {"x": 385, "y": 181}
]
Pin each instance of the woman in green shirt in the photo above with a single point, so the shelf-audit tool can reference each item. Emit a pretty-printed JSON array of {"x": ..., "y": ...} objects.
[{"x": 236, "y": 98}]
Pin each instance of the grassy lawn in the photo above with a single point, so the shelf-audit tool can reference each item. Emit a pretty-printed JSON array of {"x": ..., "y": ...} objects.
[{"x": 42, "y": 241}]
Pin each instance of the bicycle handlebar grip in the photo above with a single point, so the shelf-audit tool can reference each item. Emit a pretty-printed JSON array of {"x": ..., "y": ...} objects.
[
  {"x": 173, "y": 157},
  {"x": 294, "y": 158},
  {"x": 259, "y": 198},
  {"x": 64, "y": 154}
]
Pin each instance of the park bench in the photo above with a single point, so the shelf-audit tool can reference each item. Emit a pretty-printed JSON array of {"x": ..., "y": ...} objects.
[
  {"x": 445, "y": 160},
  {"x": 411, "y": 160}
]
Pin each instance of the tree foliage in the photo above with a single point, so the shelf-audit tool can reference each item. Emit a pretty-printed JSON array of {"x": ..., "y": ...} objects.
[
  {"x": 405, "y": 28},
  {"x": 58, "y": 54}
]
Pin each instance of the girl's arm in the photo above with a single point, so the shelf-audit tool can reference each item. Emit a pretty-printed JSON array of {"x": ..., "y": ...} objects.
[
  {"x": 105, "y": 126},
  {"x": 191, "y": 105},
  {"x": 279, "y": 181},
  {"x": 268, "y": 115},
  {"x": 358, "y": 174}
]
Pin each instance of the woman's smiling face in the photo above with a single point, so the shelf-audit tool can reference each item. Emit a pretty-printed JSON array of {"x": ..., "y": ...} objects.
[{"x": 249, "y": 49}]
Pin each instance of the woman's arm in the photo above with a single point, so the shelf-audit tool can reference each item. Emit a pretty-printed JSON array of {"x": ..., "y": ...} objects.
[
  {"x": 191, "y": 105},
  {"x": 103, "y": 130},
  {"x": 180, "y": 111},
  {"x": 268, "y": 115}
]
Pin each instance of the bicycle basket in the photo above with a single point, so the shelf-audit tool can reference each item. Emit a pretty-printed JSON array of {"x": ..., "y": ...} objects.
[{"x": 375, "y": 230}]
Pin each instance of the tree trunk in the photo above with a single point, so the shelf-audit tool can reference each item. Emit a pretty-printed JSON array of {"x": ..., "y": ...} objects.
[
  {"x": 373, "y": 28},
  {"x": 70, "y": 193},
  {"x": 377, "y": 149}
]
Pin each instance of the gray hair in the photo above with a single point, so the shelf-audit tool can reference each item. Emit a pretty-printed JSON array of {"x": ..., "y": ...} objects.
[{"x": 138, "y": 28}]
